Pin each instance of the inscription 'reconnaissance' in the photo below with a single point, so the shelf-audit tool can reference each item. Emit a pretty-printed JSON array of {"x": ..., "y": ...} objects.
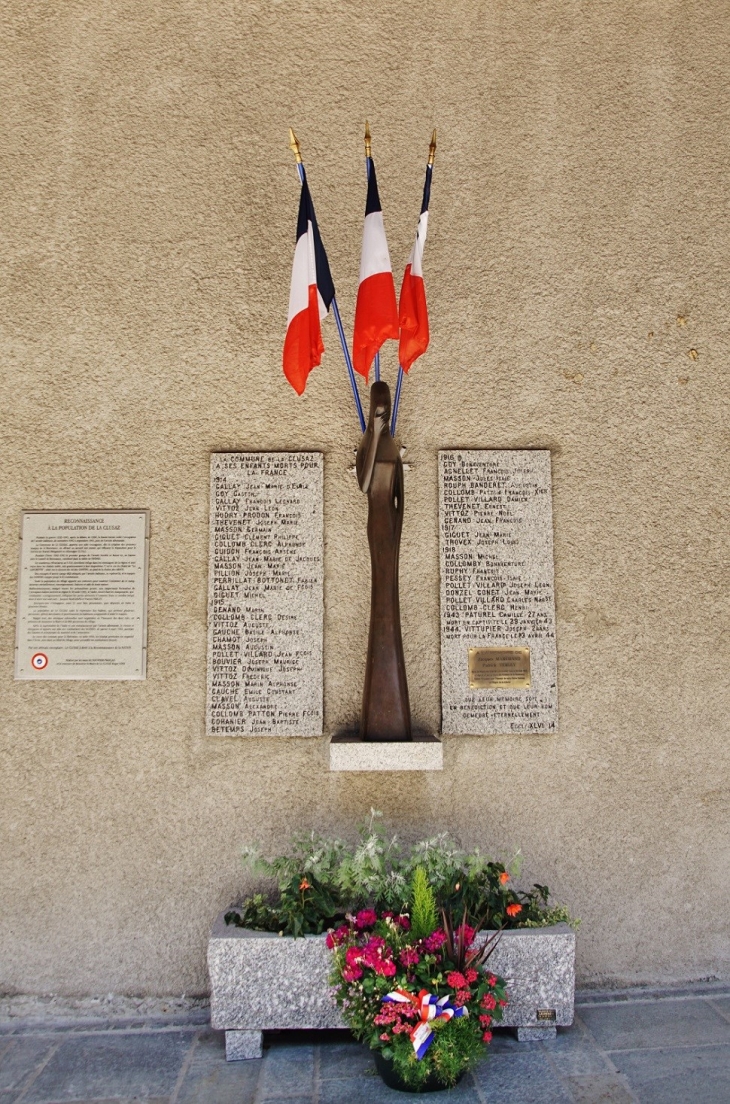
[
  {"x": 265, "y": 595},
  {"x": 497, "y": 586}
]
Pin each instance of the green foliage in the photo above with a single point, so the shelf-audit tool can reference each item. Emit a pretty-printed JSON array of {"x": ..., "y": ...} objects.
[
  {"x": 423, "y": 905},
  {"x": 377, "y": 872}
]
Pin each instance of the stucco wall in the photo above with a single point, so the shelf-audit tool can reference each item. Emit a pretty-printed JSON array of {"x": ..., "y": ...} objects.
[{"x": 578, "y": 251}]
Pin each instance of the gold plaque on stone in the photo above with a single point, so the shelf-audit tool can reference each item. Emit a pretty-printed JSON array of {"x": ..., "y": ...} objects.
[{"x": 499, "y": 668}]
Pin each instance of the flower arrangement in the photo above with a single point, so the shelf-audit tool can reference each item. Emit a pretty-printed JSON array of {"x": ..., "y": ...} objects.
[
  {"x": 322, "y": 880},
  {"x": 417, "y": 991}
]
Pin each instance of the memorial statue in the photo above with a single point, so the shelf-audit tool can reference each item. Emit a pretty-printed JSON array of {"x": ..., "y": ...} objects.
[{"x": 386, "y": 714}]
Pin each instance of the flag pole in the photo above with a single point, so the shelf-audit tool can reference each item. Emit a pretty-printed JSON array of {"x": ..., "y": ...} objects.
[
  {"x": 294, "y": 146},
  {"x": 401, "y": 373},
  {"x": 368, "y": 158}
]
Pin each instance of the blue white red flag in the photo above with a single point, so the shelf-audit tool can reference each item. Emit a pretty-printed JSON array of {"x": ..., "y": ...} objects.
[
  {"x": 376, "y": 312},
  {"x": 310, "y": 296},
  {"x": 412, "y": 309}
]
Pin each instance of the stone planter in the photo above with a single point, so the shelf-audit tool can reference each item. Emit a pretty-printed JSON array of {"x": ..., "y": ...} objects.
[{"x": 260, "y": 981}]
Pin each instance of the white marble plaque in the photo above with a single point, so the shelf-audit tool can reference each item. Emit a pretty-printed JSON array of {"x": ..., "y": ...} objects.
[
  {"x": 496, "y": 541},
  {"x": 82, "y": 595},
  {"x": 265, "y": 598}
]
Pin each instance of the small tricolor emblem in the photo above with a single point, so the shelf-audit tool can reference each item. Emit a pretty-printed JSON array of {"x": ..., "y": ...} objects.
[{"x": 39, "y": 661}]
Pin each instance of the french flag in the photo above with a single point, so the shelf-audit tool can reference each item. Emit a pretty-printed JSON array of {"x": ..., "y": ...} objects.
[
  {"x": 310, "y": 296},
  {"x": 412, "y": 309},
  {"x": 376, "y": 312}
]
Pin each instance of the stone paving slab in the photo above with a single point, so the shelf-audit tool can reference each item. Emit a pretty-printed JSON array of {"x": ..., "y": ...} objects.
[
  {"x": 686, "y": 1074},
  {"x": 657, "y": 1048},
  {"x": 655, "y": 1024}
]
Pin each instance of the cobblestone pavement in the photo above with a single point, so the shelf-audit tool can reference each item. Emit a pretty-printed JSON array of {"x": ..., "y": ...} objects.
[{"x": 640, "y": 1046}]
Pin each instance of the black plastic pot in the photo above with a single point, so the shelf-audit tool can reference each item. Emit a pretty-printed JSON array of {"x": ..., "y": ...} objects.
[{"x": 384, "y": 1067}]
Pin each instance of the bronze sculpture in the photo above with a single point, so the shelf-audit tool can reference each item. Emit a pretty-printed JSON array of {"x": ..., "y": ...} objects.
[{"x": 386, "y": 714}]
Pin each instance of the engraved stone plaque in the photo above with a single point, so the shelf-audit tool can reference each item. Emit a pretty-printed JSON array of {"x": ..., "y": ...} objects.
[
  {"x": 498, "y": 657},
  {"x": 265, "y": 599},
  {"x": 82, "y": 595}
]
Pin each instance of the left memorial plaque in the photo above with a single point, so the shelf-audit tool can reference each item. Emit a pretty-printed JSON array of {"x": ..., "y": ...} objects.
[
  {"x": 265, "y": 599},
  {"x": 82, "y": 595}
]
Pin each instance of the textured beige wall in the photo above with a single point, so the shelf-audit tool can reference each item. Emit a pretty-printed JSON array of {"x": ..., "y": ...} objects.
[{"x": 578, "y": 250}]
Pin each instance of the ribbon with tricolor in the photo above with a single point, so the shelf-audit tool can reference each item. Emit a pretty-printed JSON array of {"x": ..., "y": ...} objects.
[{"x": 430, "y": 1008}]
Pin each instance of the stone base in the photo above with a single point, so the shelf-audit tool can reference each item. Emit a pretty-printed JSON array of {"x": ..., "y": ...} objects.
[
  {"x": 243, "y": 1045},
  {"x": 350, "y": 753},
  {"x": 261, "y": 982},
  {"x": 536, "y": 1034}
]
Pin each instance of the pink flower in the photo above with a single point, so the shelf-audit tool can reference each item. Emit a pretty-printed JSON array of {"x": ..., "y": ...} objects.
[
  {"x": 385, "y": 1037},
  {"x": 468, "y": 933},
  {"x": 351, "y": 973},
  {"x": 366, "y": 918},
  {"x": 502, "y": 1003},
  {"x": 435, "y": 940},
  {"x": 456, "y": 980},
  {"x": 403, "y": 922},
  {"x": 487, "y": 1037},
  {"x": 385, "y": 967},
  {"x": 339, "y": 935},
  {"x": 471, "y": 976},
  {"x": 353, "y": 956},
  {"x": 409, "y": 957}
]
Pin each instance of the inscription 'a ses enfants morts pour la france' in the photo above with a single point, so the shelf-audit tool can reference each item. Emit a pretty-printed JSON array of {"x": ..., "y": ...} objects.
[
  {"x": 265, "y": 602},
  {"x": 497, "y": 590}
]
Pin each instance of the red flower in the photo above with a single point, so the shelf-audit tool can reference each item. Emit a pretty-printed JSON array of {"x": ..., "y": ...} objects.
[
  {"x": 386, "y": 967},
  {"x": 471, "y": 976},
  {"x": 514, "y": 909},
  {"x": 366, "y": 918},
  {"x": 487, "y": 1037},
  {"x": 403, "y": 922},
  {"x": 462, "y": 997},
  {"x": 491, "y": 978},
  {"x": 456, "y": 980},
  {"x": 489, "y": 1002},
  {"x": 304, "y": 884},
  {"x": 504, "y": 877},
  {"x": 484, "y": 1020},
  {"x": 351, "y": 973},
  {"x": 409, "y": 957},
  {"x": 502, "y": 1003}
]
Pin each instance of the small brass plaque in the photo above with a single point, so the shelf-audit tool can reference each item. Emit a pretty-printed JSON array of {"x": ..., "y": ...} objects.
[
  {"x": 546, "y": 1015},
  {"x": 499, "y": 668}
]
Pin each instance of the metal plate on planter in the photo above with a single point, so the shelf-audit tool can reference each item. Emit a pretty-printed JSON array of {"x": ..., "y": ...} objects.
[
  {"x": 504, "y": 668},
  {"x": 546, "y": 1015}
]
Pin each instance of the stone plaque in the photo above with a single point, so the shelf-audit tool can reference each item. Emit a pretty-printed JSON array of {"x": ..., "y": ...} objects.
[
  {"x": 82, "y": 595},
  {"x": 498, "y": 658},
  {"x": 265, "y": 598}
]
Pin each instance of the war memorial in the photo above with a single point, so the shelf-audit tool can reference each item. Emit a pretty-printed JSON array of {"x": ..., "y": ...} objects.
[{"x": 364, "y": 558}]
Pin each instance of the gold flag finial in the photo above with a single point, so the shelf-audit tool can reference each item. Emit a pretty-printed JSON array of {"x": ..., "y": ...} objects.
[
  {"x": 294, "y": 146},
  {"x": 368, "y": 146},
  {"x": 432, "y": 149}
]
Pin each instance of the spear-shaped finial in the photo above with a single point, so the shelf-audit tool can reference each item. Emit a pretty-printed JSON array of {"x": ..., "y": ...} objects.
[
  {"x": 294, "y": 146},
  {"x": 432, "y": 149},
  {"x": 368, "y": 146}
]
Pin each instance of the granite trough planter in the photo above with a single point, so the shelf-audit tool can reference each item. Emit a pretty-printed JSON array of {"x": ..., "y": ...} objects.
[{"x": 260, "y": 981}]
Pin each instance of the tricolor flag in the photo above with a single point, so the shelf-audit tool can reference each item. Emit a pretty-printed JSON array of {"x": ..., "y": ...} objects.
[
  {"x": 412, "y": 309},
  {"x": 376, "y": 312},
  {"x": 310, "y": 295}
]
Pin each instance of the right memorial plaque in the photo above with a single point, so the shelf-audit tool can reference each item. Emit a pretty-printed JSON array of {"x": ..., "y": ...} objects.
[{"x": 498, "y": 657}]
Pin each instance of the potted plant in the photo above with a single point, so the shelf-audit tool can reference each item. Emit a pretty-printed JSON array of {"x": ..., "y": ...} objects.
[{"x": 417, "y": 990}]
